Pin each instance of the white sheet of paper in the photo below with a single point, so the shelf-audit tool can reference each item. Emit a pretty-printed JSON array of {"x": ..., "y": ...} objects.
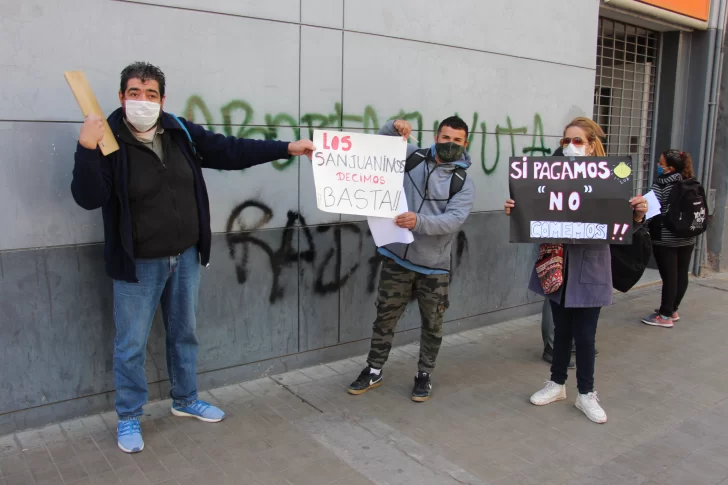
[
  {"x": 358, "y": 173},
  {"x": 385, "y": 231},
  {"x": 653, "y": 205}
]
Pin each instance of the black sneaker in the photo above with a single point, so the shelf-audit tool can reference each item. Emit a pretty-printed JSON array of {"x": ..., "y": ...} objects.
[
  {"x": 423, "y": 387},
  {"x": 365, "y": 381}
]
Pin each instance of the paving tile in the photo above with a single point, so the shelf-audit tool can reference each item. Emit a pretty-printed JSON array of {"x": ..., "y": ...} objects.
[
  {"x": 231, "y": 394},
  {"x": 71, "y": 470},
  {"x": 8, "y": 445},
  {"x": 319, "y": 372},
  {"x": 94, "y": 462},
  {"x": 105, "y": 440},
  {"x": 84, "y": 444},
  {"x": 105, "y": 478},
  {"x": 61, "y": 452},
  {"x": 312, "y": 474},
  {"x": 38, "y": 458},
  {"x": 48, "y": 476},
  {"x": 30, "y": 439},
  {"x": 152, "y": 468},
  {"x": 53, "y": 434},
  {"x": 643, "y": 463},
  {"x": 13, "y": 464},
  {"x": 118, "y": 459},
  {"x": 705, "y": 467},
  {"x": 678, "y": 476},
  {"x": 292, "y": 378},
  {"x": 22, "y": 478},
  {"x": 177, "y": 465},
  {"x": 675, "y": 444},
  {"x": 197, "y": 458},
  {"x": 346, "y": 366},
  {"x": 132, "y": 475},
  {"x": 210, "y": 476}
]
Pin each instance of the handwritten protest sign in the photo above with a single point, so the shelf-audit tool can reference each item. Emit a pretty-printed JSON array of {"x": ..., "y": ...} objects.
[
  {"x": 571, "y": 200},
  {"x": 359, "y": 174}
]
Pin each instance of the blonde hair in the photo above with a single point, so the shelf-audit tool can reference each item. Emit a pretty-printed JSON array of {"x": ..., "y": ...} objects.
[{"x": 593, "y": 131}]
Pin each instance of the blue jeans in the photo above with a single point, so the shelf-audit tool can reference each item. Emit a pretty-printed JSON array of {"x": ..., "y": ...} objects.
[{"x": 175, "y": 281}]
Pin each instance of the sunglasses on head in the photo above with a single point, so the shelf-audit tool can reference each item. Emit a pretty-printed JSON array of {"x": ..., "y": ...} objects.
[{"x": 577, "y": 141}]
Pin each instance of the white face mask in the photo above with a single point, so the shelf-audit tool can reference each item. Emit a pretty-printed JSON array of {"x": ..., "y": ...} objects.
[
  {"x": 572, "y": 151},
  {"x": 142, "y": 115}
]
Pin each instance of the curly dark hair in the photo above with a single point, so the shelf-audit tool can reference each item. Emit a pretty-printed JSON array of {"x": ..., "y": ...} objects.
[{"x": 145, "y": 72}]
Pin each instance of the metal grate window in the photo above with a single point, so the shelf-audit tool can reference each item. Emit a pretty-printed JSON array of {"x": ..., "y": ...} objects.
[{"x": 624, "y": 94}]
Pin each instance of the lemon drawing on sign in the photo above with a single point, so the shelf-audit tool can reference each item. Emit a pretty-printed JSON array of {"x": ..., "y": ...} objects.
[{"x": 622, "y": 170}]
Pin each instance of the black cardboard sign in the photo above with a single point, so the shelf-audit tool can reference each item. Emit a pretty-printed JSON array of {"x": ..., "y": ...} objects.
[{"x": 582, "y": 200}]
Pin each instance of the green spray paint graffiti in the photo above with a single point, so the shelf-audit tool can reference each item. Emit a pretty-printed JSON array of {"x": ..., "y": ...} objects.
[{"x": 239, "y": 113}]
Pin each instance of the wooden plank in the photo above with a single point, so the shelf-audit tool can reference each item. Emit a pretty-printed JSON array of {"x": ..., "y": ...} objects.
[{"x": 86, "y": 100}]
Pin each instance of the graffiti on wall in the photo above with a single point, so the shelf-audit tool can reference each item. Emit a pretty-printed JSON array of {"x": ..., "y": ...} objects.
[
  {"x": 331, "y": 266},
  {"x": 238, "y": 115},
  {"x": 328, "y": 264}
]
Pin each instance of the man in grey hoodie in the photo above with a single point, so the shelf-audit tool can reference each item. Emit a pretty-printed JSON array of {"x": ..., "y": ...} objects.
[{"x": 439, "y": 197}]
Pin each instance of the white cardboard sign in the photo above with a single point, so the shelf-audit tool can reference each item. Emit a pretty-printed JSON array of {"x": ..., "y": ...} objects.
[{"x": 359, "y": 174}]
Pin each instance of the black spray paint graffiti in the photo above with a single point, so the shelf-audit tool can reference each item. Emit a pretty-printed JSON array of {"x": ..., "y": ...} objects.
[{"x": 328, "y": 264}]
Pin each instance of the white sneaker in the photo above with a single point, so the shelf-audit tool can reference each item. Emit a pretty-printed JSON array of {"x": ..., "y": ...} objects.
[
  {"x": 589, "y": 405},
  {"x": 551, "y": 393}
]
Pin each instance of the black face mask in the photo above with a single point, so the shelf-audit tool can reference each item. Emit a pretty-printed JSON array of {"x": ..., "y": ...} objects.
[{"x": 449, "y": 152}]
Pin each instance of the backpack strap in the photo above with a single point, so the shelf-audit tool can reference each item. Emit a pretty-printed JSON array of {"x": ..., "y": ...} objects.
[
  {"x": 184, "y": 128},
  {"x": 417, "y": 157},
  {"x": 457, "y": 181}
]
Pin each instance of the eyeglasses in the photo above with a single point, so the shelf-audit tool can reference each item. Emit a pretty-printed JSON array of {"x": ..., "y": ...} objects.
[{"x": 578, "y": 142}]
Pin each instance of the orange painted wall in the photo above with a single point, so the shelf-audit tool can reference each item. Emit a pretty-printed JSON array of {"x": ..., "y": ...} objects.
[{"x": 698, "y": 9}]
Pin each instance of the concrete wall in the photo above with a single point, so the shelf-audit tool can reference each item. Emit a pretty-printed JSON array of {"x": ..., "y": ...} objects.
[
  {"x": 298, "y": 289},
  {"x": 717, "y": 236}
]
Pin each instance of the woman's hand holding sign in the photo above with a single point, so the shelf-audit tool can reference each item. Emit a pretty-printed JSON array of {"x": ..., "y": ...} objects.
[
  {"x": 639, "y": 206},
  {"x": 510, "y": 204}
]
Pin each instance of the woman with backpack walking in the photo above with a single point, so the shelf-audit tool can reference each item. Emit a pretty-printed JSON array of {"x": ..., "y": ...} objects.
[
  {"x": 673, "y": 232},
  {"x": 584, "y": 287}
]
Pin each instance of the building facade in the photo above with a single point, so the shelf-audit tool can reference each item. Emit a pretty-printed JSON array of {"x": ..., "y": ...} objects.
[{"x": 288, "y": 285}]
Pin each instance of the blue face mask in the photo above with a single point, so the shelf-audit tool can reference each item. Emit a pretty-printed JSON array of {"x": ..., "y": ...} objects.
[{"x": 660, "y": 170}]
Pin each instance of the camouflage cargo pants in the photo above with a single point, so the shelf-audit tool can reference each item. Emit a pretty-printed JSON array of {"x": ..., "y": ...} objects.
[{"x": 396, "y": 285}]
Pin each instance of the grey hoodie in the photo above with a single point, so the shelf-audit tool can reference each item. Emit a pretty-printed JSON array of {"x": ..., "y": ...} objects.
[{"x": 427, "y": 188}]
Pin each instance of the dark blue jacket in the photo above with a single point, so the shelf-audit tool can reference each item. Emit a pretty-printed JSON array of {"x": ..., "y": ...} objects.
[{"x": 100, "y": 181}]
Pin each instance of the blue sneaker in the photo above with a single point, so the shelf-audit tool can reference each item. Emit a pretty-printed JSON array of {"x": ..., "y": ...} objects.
[
  {"x": 129, "y": 435},
  {"x": 201, "y": 410}
]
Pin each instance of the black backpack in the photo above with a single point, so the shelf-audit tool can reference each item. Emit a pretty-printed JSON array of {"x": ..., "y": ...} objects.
[
  {"x": 687, "y": 209},
  {"x": 456, "y": 181},
  {"x": 629, "y": 261}
]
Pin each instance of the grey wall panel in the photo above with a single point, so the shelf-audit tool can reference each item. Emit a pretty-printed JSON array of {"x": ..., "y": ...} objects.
[
  {"x": 321, "y": 84},
  {"x": 56, "y": 326},
  {"x": 359, "y": 295},
  {"x": 535, "y": 29},
  {"x": 227, "y": 60},
  {"x": 248, "y": 304},
  {"x": 36, "y": 165},
  {"x": 322, "y": 273},
  {"x": 285, "y": 10},
  {"x": 325, "y": 13},
  {"x": 489, "y": 273}
]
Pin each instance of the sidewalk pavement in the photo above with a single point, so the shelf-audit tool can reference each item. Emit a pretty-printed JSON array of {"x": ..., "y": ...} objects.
[{"x": 665, "y": 392}]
